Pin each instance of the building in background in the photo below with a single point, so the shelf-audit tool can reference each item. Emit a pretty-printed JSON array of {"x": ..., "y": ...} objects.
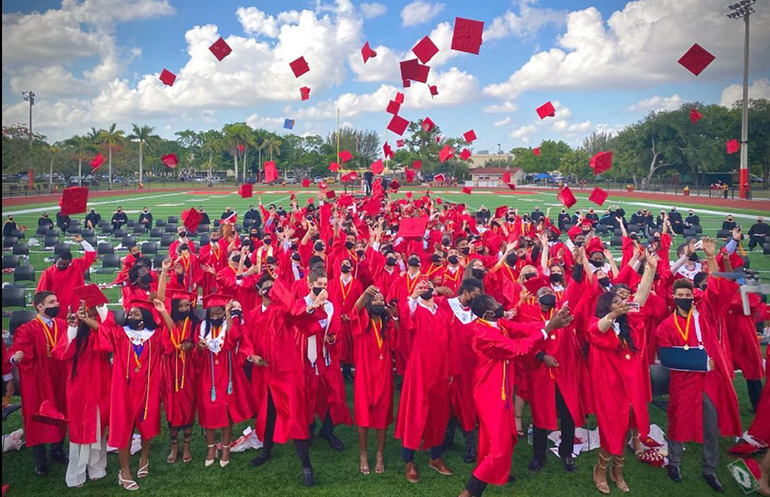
[{"x": 493, "y": 176}]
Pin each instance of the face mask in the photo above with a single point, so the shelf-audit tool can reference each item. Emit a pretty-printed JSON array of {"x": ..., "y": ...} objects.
[
  {"x": 579, "y": 243},
  {"x": 180, "y": 315},
  {"x": 137, "y": 255},
  {"x": 267, "y": 241},
  {"x": 236, "y": 259},
  {"x": 683, "y": 303},
  {"x": 453, "y": 259},
  {"x": 597, "y": 263},
  {"x": 556, "y": 278},
  {"x": 349, "y": 245},
  {"x": 216, "y": 323},
  {"x": 360, "y": 253},
  {"x": 296, "y": 257},
  {"x": 318, "y": 247},
  {"x": 146, "y": 278},
  {"x": 477, "y": 273},
  {"x": 414, "y": 262},
  {"x": 694, "y": 257},
  {"x": 427, "y": 294},
  {"x": 604, "y": 281},
  {"x": 435, "y": 258},
  {"x": 390, "y": 261},
  {"x": 317, "y": 291},
  {"x": 529, "y": 276},
  {"x": 465, "y": 250},
  {"x": 236, "y": 313},
  {"x": 511, "y": 259},
  {"x": 51, "y": 312},
  {"x": 62, "y": 268},
  {"x": 182, "y": 234},
  {"x": 345, "y": 268},
  {"x": 378, "y": 309},
  {"x": 134, "y": 324},
  {"x": 499, "y": 312},
  {"x": 547, "y": 300},
  {"x": 266, "y": 291}
]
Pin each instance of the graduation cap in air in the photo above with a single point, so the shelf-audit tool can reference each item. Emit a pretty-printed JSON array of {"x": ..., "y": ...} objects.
[
  {"x": 546, "y": 110},
  {"x": 433, "y": 90},
  {"x": 410, "y": 174},
  {"x": 465, "y": 154},
  {"x": 416, "y": 165},
  {"x": 394, "y": 185},
  {"x": 467, "y": 190},
  {"x": 48, "y": 414},
  {"x": 507, "y": 177},
  {"x": 304, "y": 93},
  {"x": 534, "y": 284},
  {"x": 733, "y": 146},
  {"x": 501, "y": 211},
  {"x": 399, "y": 143},
  {"x": 469, "y": 136},
  {"x": 536, "y": 151},
  {"x": 96, "y": 162},
  {"x": 271, "y": 173},
  {"x": 322, "y": 186},
  {"x": 215, "y": 300},
  {"x": 299, "y": 67},
  {"x": 220, "y": 49},
  {"x": 412, "y": 70},
  {"x": 696, "y": 59},
  {"x": 393, "y": 107},
  {"x": 91, "y": 295},
  {"x": 399, "y": 98},
  {"x": 387, "y": 151},
  {"x": 372, "y": 206},
  {"x": 566, "y": 197},
  {"x": 412, "y": 227},
  {"x": 306, "y": 182},
  {"x": 334, "y": 167},
  {"x": 73, "y": 200},
  {"x": 446, "y": 153},
  {"x": 191, "y": 219},
  {"x": 398, "y": 125},
  {"x": 695, "y": 116},
  {"x": 598, "y": 196},
  {"x": 345, "y": 156},
  {"x": 246, "y": 190},
  {"x": 331, "y": 194},
  {"x": 439, "y": 178},
  {"x": 353, "y": 175},
  {"x": 167, "y": 77},
  {"x": 427, "y": 124},
  {"x": 170, "y": 160},
  {"x": 425, "y": 49},
  {"x": 345, "y": 200},
  {"x": 511, "y": 186},
  {"x": 377, "y": 167},
  {"x": 367, "y": 53},
  {"x": 288, "y": 124},
  {"x": 601, "y": 162},
  {"x": 467, "y": 34}
]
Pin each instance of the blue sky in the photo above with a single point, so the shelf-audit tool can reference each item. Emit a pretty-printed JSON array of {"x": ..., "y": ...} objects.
[{"x": 604, "y": 64}]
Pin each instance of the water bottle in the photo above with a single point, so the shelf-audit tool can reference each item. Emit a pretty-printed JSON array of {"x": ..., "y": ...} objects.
[{"x": 529, "y": 435}]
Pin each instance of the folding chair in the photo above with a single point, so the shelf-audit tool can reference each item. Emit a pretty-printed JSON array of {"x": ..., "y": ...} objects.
[
  {"x": 21, "y": 249},
  {"x": 24, "y": 273},
  {"x": 173, "y": 219},
  {"x": 10, "y": 261},
  {"x": 9, "y": 241},
  {"x": 105, "y": 248},
  {"x": 156, "y": 232},
  {"x": 19, "y": 318},
  {"x": 149, "y": 248}
]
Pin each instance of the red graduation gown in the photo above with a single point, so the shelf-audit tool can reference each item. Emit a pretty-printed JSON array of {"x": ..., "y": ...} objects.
[
  {"x": 686, "y": 389},
  {"x": 462, "y": 363},
  {"x": 375, "y": 268},
  {"x": 42, "y": 377},
  {"x": 402, "y": 289},
  {"x": 373, "y": 384},
  {"x": 451, "y": 279},
  {"x": 344, "y": 297},
  {"x": 223, "y": 396},
  {"x": 495, "y": 350},
  {"x": 216, "y": 257},
  {"x": 63, "y": 282},
  {"x": 89, "y": 390},
  {"x": 760, "y": 428},
  {"x": 179, "y": 375},
  {"x": 744, "y": 347},
  {"x": 423, "y": 412}
]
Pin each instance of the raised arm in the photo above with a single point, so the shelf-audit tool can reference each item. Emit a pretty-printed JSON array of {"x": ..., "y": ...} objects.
[{"x": 646, "y": 285}]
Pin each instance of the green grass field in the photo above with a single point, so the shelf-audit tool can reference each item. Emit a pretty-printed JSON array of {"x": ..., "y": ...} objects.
[{"x": 337, "y": 473}]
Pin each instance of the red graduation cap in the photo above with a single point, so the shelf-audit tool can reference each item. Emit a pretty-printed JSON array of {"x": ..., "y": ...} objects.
[
  {"x": 372, "y": 206},
  {"x": 446, "y": 153},
  {"x": 501, "y": 211},
  {"x": 398, "y": 125},
  {"x": 399, "y": 143},
  {"x": 696, "y": 59},
  {"x": 407, "y": 83},
  {"x": 271, "y": 173},
  {"x": 170, "y": 160},
  {"x": 695, "y": 116},
  {"x": 299, "y": 67},
  {"x": 467, "y": 189},
  {"x": 191, "y": 219},
  {"x": 512, "y": 186},
  {"x": 167, "y": 77},
  {"x": 394, "y": 185},
  {"x": 416, "y": 165},
  {"x": 439, "y": 178},
  {"x": 322, "y": 185},
  {"x": 465, "y": 154},
  {"x": 507, "y": 177},
  {"x": 425, "y": 50},
  {"x": 393, "y": 107},
  {"x": 304, "y": 93},
  {"x": 48, "y": 414},
  {"x": 555, "y": 230},
  {"x": 412, "y": 70},
  {"x": 73, "y": 200},
  {"x": 345, "y": 178},
  {"x": 467, "y": 35},
  {"x": 536, "y": 151},
  {"x": 399, "y": 98},
  {"x": 345, "y": 156},
  {"x": 410, "y": 174},
  {"x": 334, "y": 167},
  {"x": 412, "y": 227},
  {"x": 433, "y": 90},
  {"x": 427, "y": 124},
  {"x": 246, "y": 190},
  {"x": 387, "y": 151},
  {"x": 534, "y": 284},
  {"x": 566, "y": 197},
  {"x": 331, "y": 194},
  {"x": 439, "y": 201},
  {"x": 601, "y": 162},
  {"x": 220, "y": 49},
  {"x": 598, "y": 196},
  {"x": 408, "y": 194},
  {"x": 594, "y": 245},
  {"x": 546, "y": 110},
  {"x": 241, "y": 147},
  {"x": 733, "y": 146},
  {"x": 377, "y": 167},
  {"x": 367, "y": 52},
  {"x": 345, "y": 200},
  {"x": 215, "y": 300},
  {"x": 353, "y": 175},
  {"x": 469, "y": 136},
  {"x": 91, "y": 295},
  {"x": 306, "y": 182},
  {"x": 184, "y": 295},
  {"x": 97, "y": 161}
]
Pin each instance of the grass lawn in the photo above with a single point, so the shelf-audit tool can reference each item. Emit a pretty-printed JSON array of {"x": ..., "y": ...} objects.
[{"x": 337, "y": 473}]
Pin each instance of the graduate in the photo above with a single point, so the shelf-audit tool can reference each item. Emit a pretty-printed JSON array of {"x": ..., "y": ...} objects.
[
  {"x": 373, "y": 324},
  {"x": 43, "y": 379},
  {"x": 66, "y": 275},
  {"x": 212, "y": 256},
  {"x": 223, "y": 397},
  {"x": 703, "y": 403},
  {"x": 344, "y": 290},
  {"x": 496, "y": 343},
  {"x": 88, "y": 393},
  {"x": 423, "y": 413}
]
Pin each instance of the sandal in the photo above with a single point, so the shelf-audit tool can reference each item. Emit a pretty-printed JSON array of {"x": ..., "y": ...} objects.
[
  {"x": 143, "y": 470},
  {"x": 171, "y": 459},
  {"x": 186, "y": 459},
  {"x": 619, "y": 481},
  {"x": 601, "y": 468},
  {"x": 209, "y": 462},
  {"x": 363, "y": 465},
  {"x": 222, "y": 462},
  {"x": 636, "y": 442},
  {"x": 519, "y": 426},
  {"x": 127, "y": 484}
]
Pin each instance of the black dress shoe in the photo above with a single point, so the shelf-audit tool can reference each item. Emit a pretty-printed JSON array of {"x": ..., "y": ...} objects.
[
  {"x": 511, "y": 479},
  {"x": 41, "y": 470},
  {"x": 674, "y": 474},
  {"x": 470, "y": 453},
  {"x": 59, "y": 457},
  {"x": 569, "y": 463},
  {"x": 261, "y": 459},
  {"x": 335, "y": 443},
  {"x": 714, "y": 483},
  {"x": 307, "y": 477},
  {"x": 536, "y": 465}
]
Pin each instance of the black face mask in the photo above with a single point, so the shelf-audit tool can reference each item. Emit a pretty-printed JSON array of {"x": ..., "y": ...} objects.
[
  {"x": 390, "y": 261},
  {"x": 465, "y": 250},
  {"x": 317, "y": 291},
  {"x": 296, "y": 257},
  {"x": 360, "y": 253},
  {"x": 511, "y": 259},
  {"x": 556, "y": 277},
  {"x": 266, "y": 291},
  {"x": 579, "y": 243},
  {"x": 414, "y": 262},
  {"x": 62, "y": 268},
  {"x": 453, "y": 259},
  {"x": 236, "y": 313},
  {"x": 547, "y": 300},
  {"x": 498, "y": 313},
  {"x": 694, "y": 257},
  {"x": 349, "y": 245},
  {"x": 529, "y": 276},
  {"x": 427, "y": 294},
  {"x": 267, "y": 241},
  {"x": 597, "y": 263},
  {"x": 378, "y": 309},
  {"x": 214, "y": 241},
  {"x": 345, "y": 268},
  {"x": 435, "y": 258},
  {"x": 604, "y": 281},
  {"x": 477, "y": 273},
  {"x": 51, "y": 312},
  {"x": 134, "y": 324},
  {"x": 146, "y": 278},
  {"x": 683, "y": 303},
  {"x": 180, "y": 315},
  {"x": 236, "y": 259},
  {"x": 137, "y": 255},
  {"x": 216, "y": 323},
  {"x": 318, "y": 247},
  {"x": 182, "y": 234}
]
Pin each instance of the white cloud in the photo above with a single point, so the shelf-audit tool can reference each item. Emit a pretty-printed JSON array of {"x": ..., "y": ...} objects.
[
  {"x": 502, "y": 122},
  {"x": 420, "y": 12},
  {"x": 759, "y": 88},
  {"x": 384, "y": 67},
  {"x": 657, "y": 103},
  {"x": 557, "y": 127},
  {"x": 372, "y": 10},
  {"x": 257, "y": 121},
  {"x": 507, "y": 106},
  {"x": 637, "y": 47},
  {"x": 525, "y": 24}
]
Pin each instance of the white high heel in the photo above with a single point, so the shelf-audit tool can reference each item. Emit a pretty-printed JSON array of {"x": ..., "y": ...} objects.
[
  {"x": 225, "y": 463},
  {"x": 131, "y": 483},
  {"x": 209, "y": 462}
]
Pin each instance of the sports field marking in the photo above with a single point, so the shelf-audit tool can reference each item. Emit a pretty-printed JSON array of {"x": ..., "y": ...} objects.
[
  {"x": 122, "y": 200},
  {"x": 695, "y": 209}
]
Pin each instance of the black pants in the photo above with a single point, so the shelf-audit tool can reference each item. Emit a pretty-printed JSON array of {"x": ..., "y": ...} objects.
[
  {"x": 756, "y": 240},
  {"x": 475, "y": 486},
  {"x": 327, "y": 427},
  {"x": 41, "y": 456},
  {"x": 451, "y": 428},
  {"x": 755, "y": 392},
  {"x": 540, "y": 435},
  {"x": 302, "y": 447}
]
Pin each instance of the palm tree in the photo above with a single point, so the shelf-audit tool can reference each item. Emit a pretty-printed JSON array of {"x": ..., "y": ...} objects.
[
  {"x": 234, "y": 134},
  {"x": 80, "y": 145},
  {"x": 54, "y": 150},
  {"x": 272, "y": 144},
  {"x": 145, "y": 136},
  {"x": 212, "y": 144},
  {"x": 111, "y": 137}
]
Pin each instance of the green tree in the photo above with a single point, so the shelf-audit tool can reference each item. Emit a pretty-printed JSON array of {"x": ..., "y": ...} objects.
[
  {"x": 549, "y": 160},
  {"x": 54, "y": 151},
  {"x": 575, "y": 162},
  {"x": 80, "y": 147},
  {"x": 144, "y": 135},
  {"x": 112, "y": 138},
  {"x": 213, "y": 142}
]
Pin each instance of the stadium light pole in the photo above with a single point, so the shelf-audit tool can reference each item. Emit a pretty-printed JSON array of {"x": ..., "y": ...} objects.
[
  {"x": 743, "y": 10},
  {"x": 29, "y": 96}
]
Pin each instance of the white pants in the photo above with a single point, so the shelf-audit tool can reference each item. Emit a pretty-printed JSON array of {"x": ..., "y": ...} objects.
[{"x": 87, "y": 457}]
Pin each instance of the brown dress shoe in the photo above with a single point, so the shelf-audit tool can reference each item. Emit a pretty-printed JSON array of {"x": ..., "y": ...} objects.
[
  {"x": 439, "y": 466},
  {"x": 411, "y": 473}
]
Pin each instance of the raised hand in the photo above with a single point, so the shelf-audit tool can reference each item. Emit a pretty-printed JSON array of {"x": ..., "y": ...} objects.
[
  {"x": 561, "y": 318},
  {"x": 77, "y": 238},
  {"x": 709, "y": 246}
]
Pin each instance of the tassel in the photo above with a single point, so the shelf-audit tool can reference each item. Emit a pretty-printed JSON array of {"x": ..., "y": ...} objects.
[
  {"x": 229, "y": 388},
  {"x": 213, "y": 394}
]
